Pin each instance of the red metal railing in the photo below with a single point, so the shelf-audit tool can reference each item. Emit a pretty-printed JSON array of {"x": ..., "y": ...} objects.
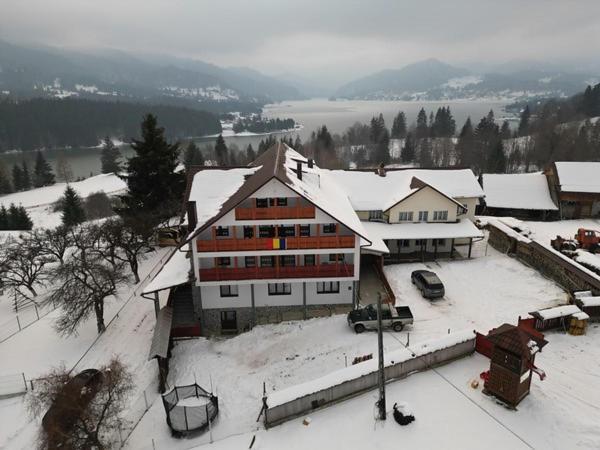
[
  {"x": 291, "y": 243},
  {"x": 262, "y": 273},
  {"x": 275, "y": 212}
]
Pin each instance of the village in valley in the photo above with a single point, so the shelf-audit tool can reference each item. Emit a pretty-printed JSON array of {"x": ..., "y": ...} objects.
[{"x": 309, "y": 225}]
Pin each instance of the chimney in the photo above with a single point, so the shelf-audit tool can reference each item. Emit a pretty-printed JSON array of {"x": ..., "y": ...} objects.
[
  {"x": 310, "y": 163},
  {"x": 192, "y": 216},
  {"x": 381, "y": 170},
  {"x": 299, "y": 169}
]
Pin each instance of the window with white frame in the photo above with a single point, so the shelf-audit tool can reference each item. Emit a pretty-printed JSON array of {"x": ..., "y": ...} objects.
[
  {"x": 423, "y": 216},
  {"x": 329, "y": 228},
  {"x": 440, "y": 215},
  {"x": 224, "y": 261},
  {"x": 229, "y": 290},
  {"x": 405, "y": 216},
  {"x": 328, "y": 287},
  {"x": 222, "y": 231},
  {"x": 280, "y": 288},
  {"x": 376, "y": 215}
]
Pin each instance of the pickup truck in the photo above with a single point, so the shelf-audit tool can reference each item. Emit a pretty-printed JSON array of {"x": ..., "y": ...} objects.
[{"x": 394, "y": 317}]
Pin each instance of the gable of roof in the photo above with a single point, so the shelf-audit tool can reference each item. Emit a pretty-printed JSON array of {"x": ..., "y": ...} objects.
[
  {"x": 279, "y": 162},
  {"x": 515, "y": 339},
  {"x": 418, "y": 185}
]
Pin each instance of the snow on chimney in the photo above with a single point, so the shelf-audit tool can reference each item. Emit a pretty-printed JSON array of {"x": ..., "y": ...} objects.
[
  {"x": 310, "y": 163},
  {"x": 381, "y": 170},
  {"x": 299, "y": 169},
  {"x": 192, "y": 215}
]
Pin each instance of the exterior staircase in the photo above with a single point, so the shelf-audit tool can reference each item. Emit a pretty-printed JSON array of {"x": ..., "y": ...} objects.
[{"x": 185, "y": 322}]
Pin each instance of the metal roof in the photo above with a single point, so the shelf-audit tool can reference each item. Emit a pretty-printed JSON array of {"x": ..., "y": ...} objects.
[{"x": 162, "y": 333}]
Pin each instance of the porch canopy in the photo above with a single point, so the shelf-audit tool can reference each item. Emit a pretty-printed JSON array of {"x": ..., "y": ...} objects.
[
  {"x": 463, "y": 229},
  {"x": 162, "y": 332},
  {"x": 175, "y": 272}
]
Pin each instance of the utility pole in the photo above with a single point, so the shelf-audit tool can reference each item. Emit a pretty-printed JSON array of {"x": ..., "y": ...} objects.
[{"x": 381, "y": 371}]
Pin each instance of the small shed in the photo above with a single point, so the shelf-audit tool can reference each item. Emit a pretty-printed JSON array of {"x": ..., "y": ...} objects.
[
  {"x": 512, "y": 362},
  {"x": 578, "y": 324},
  {"x": 590, "y": 306},
  {"x": 552, "y": 318}
]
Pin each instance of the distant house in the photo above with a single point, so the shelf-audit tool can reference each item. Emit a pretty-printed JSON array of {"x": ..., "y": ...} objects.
[
  {"x": 521, "y": 195},
  {"x": 575, "y": 188},
  {"x": 414, "y": 214}
]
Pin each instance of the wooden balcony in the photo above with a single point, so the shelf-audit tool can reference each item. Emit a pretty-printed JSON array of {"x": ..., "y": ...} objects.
[
  {"x": 264, "y": 273},
  {"x": 291, "y": 243},
  {"x": 275, "y": 212}
]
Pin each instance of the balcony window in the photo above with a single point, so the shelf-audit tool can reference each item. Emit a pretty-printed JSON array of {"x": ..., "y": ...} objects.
[
  {"x": 267, "y": 261},
  {"x": 280, "y": 288},
  {"x": 229, "y": 290},
  {"x": 282, "y": 201},
  {"x": 304, "y": 230},
  {"x": 223, "y": 261},
  {"x": 262, "y": 202},
  {"x": 441, "y": 242},
  {"x": 287, "y": 261},
  {"x": 440, "y": 215},
  {"x": 423, "y": 215},
  {"x": 286, "y": 231},
  {"x": 405, "y": 242},
  {"x": 248, "y": 232},
  {"x": 309, "y": 260},
  {"x": 405, "y": 216},
  {"x": 339, "y": 257},
  {"x": 328, "y": 287},
  {"x": 250, "y": 261},
  {"x": 329, "y": 228},
  {"x": 266, "y": 231},
  {"x": 222, "y": 231}
]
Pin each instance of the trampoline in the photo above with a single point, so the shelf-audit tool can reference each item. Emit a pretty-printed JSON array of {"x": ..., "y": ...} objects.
[{"x": 189, "y": 409}]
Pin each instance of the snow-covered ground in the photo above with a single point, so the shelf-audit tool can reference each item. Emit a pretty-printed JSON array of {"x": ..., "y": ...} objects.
[
  {"x": 481, "y": 293},
  {"x": 39, "y": 202}
]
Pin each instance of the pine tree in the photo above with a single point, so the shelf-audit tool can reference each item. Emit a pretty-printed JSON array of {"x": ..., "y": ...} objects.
[
  {"x": 5, "y": 184},
  {"x": 382, "y": 148},
  {"x": 250, "y": 154},
  {"x": 72, "y": 208},
  {"x": 524, "y": 122},
  {"x": 192, "y": 156},
  {"x": 42, "y": 173},
  {"x": 22, "y": 219},
  {"x": 13, "y": 214},
  {"x": 422, "y": 129},
  {"x": 465, "y": 147},
  {"x": 407, "y": 154},
  {"x": 497, "y": 159},
  {"x": 110, "y": 157},
  {"x": 26, "y": 177},
  {"x": 425, "y": 153},
  {"x": 298, "y": 145},
  {"x": 154, "y": 189},
  {"x": 17, "y": 175},
  {"x": 3, "y": 218},
  {"x": 377, "y": 129},
  {"x": 505, "y": 130},
  {"x": 221, "y": 151},
  {"x": 399, "y": 126}
]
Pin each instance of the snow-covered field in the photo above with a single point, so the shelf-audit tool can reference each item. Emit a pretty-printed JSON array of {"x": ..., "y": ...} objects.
[{"x": 39, "y": 202}]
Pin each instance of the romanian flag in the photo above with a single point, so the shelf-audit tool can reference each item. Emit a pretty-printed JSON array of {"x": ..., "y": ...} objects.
[{"x": 278, "y": 244}]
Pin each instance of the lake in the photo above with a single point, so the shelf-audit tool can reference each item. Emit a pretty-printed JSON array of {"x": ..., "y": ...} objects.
[{"x": 337, "y": 115}]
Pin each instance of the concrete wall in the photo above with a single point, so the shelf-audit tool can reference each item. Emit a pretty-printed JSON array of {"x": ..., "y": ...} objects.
[{"x": 325, "y": 397}]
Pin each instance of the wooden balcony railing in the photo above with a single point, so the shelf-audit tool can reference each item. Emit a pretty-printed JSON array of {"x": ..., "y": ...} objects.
[
  {"x": 264, "y": 273},
  {"x": 275, "y": 212},
  {"x": 291, "y": 243}
]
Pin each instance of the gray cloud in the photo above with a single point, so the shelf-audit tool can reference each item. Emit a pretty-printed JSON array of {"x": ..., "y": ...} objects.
[{"x": 330, "y": 39}]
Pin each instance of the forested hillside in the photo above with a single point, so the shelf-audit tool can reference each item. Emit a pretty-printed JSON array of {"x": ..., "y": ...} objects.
[{"x": 50, "y": 123}]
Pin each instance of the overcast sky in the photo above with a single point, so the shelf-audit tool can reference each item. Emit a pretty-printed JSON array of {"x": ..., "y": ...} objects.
[{"x": 330, "y": 39}]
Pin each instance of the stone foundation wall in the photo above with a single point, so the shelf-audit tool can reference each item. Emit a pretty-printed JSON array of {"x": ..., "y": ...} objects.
[{"x": 247, "y": 318}]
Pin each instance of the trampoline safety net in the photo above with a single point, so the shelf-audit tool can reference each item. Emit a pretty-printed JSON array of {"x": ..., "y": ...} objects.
[{"x": 182, "y": 418}]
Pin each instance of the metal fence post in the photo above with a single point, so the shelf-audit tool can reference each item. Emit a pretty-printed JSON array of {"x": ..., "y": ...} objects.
[
  {"x": 18, "y": 322},
  {"x": 145, "y": 400},
  {"x": 24, "y": 380},
  {"x": 36, "y": 312}
]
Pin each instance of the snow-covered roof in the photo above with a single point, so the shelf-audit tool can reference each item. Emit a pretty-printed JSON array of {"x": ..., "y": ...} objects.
[
  {"x": 518, "y": 191},
  {"x": 218, "y": 191},
  {"x": 464, "y": 228},
  {"x": 176, "y": 271},
  {"x": 358, "y": 370},
  {"x": 581, "y": 316},
  {"x": 369, "y": 191},
  {"x": 556, "y": 312},
  {"x": 588, "y": 301},
  {"x": 574, "y": 176}
]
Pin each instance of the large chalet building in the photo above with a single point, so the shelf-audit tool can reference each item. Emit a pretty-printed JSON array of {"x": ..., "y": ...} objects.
[{"x": 282, "y": 239}]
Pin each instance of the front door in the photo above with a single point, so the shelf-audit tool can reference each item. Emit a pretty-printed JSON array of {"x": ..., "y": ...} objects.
[{"x": 228, "y": 321}]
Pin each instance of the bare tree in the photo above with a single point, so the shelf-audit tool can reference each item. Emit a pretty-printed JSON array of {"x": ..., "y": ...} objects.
[
  {"x": 64, "y": 171},
  {"x": 24, "y": 265},
  {"x": 83, "y": 412},
  {"x": 83, "y": 283},
  {"x": 125, "y": 244},
  {"x": 55, "y": 241}
]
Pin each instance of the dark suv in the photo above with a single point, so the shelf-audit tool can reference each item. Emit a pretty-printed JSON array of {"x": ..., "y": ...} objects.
[{"x": 428, "y": 283}]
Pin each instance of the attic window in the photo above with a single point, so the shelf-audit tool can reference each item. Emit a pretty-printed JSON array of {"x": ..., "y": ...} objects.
[{"x": 262, "y": 202}]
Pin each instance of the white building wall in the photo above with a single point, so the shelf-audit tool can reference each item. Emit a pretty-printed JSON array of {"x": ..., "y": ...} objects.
[
  {"x": 211, "y": 297},
  {"x": 262, "y": 297},
  {"x": 427, "y": 199},
  {"x": 345, "y": 296}
]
